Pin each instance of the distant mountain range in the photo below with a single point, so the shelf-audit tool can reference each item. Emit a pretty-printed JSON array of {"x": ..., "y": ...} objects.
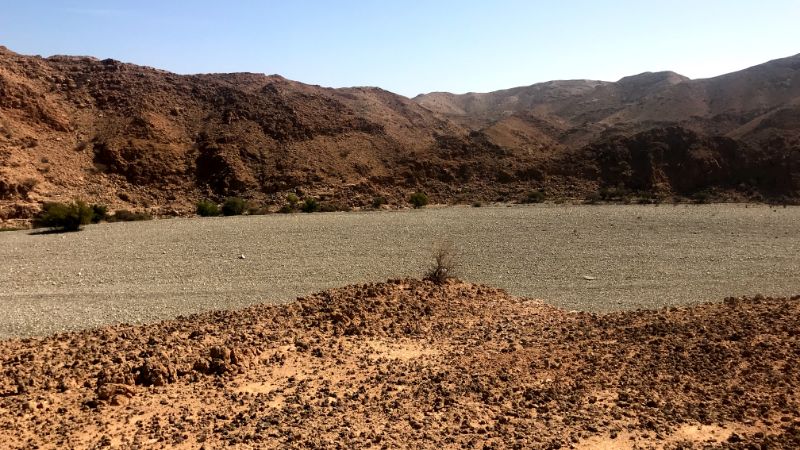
[{"x": 137, "y": 137}]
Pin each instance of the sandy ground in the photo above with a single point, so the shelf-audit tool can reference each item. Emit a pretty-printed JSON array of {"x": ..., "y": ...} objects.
[
  {"x": 409, "y": 364},
  {"x": 640, "y": 257}
]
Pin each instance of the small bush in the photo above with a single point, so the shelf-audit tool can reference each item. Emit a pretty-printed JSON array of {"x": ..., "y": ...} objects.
[
  {"x": 620, "y": 192},
  {"x": 702, "y": 197},
  {"x": 64, "y": 217},
  {"x": 377, "y": 202},
  {"x": 292, "y": 199},
  {"x": 477, "y": 204},
  {"x": 255, "y": 210},
  {"x": 593, "y": 198},
  {"x": 234, "y": 206},
  {"x": 286, "y": 209},
  {"x": 444, "y": 265},
  {"x": 310, "y": 205},
  {"x": 418, "y": 199},
  {"x": 332, "y": 207},
  {"x": 123, "y": 215},
  {"x": 207, "y": 208},
  {"x": 534, "y": 197},
  {"x": 99, "y": 213}
]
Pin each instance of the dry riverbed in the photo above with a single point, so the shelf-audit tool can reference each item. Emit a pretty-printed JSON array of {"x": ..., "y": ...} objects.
[{"x": 634, "y": 256}]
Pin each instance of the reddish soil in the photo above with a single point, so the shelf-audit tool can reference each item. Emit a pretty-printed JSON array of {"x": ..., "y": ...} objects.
[{"x": 411, "y": 364}]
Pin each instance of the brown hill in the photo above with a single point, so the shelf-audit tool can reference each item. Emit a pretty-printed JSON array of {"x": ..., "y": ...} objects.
[
  {"x": 642, "y": 99},
  {"x": 137, "y": 137},
  {"x": 133, "y": 136}
]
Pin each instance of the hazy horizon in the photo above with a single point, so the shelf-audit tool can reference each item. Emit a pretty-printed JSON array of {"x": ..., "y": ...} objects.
[{"x": 413, "y": 47}]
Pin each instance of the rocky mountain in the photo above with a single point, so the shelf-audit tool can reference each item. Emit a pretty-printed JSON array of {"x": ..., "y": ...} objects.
[
  {"x": 137, "y": 137},
  {"x": 639, "y": 100}
]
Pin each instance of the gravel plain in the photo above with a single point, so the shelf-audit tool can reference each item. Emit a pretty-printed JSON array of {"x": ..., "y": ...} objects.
[{"x": 593, "y": 258}]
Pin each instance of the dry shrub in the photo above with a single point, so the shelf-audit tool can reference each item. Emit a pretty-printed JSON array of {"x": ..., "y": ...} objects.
[{"x": 444, "y": 264}]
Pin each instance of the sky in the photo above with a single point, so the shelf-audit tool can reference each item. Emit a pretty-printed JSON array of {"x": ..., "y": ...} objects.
[{"x": 413, "y": 46}]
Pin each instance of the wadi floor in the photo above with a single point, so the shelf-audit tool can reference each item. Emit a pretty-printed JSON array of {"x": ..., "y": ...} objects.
[{"x": 640, "y": 256}]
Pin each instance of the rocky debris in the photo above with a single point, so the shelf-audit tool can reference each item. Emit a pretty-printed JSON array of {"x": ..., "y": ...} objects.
[
  {"x": 220, "y": 360},
  {"x": 413, "y": 364},
  {"x": 112, "y": 392},
  {"x": 155, "y": 373}
]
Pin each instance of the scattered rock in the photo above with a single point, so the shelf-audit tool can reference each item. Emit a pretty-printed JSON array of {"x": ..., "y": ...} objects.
[{"x": 440, "y": 365}]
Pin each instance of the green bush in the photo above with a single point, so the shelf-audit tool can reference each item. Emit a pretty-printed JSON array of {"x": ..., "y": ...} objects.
[
  {"x": 418, "y": 199},
  {"x": 207, "y": 208},
  {"x": 310, "y": 205},
  {"x": 329, "y": 207},
  {"x": 377, "y": 202},
  {"x": 701, "y": 197},
  {"x": 234, "y": 206},
  {"x": 123, "y": 215},
  {"x": 534, "y": 197},
  {"x": 292, "y": 199},
  {"x": 286, "y": 209},
  {"x": 99, "y": 213},
  {"x": 255, "y": 210},
  {"x": 64, "y": 217}
]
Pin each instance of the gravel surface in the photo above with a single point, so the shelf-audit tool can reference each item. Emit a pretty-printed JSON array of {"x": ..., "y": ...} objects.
[{"x": 639, "y": 257}]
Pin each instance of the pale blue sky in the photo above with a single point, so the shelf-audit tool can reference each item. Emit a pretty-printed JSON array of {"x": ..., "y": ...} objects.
[{"x": 413, "y": 46}]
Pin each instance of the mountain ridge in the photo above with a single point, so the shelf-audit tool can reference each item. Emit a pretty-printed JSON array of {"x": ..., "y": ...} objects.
[{"x": 142, "y": 138}]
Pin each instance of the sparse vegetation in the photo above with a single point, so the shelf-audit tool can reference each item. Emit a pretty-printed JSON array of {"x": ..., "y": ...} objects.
[
  {"x": 613, "y": 193},
  {"x": 64, "y": 216},
  {"x": 534, "y": 197},
  {"x": 256, "y": 210},
  {"x": 702, "y": 197},
  {"x": 593, "y": 198},
  {"x": 123, "y": 215},
  {"x": 99, "y": 213},
  {"x": 292, "y": 204},
  {"x": 477, "y": 204},
  {"x": 234, "y": 206},
  {"x": 310, "y": 205},
  {"x": 207, "y": 208},
  {"x": 378, "y": 201},
  {"x": 418, "y": 200},
  {"x": 444, "y": 265},
  {"x": 332, "y": 207}
]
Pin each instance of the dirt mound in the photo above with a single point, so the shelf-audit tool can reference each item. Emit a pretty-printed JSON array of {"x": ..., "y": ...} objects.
[{"x": 411, "y": 364}]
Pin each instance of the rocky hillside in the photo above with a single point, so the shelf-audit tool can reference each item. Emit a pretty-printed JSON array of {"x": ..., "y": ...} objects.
[
  {"x": 140, "y": 138},
  {"x": 730, "y": 104}
]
